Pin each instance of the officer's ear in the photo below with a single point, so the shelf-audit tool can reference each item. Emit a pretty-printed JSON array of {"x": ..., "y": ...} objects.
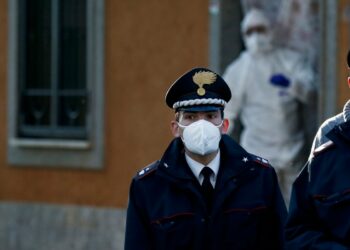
[
  {"x": 225, "y": 125},
  {"x": 175, "y": 129}
]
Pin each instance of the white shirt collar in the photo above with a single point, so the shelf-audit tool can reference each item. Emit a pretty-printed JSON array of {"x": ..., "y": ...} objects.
[{"x": 197, "y": 167}]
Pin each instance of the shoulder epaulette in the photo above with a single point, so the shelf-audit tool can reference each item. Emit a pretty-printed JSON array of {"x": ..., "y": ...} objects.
[
  {"x": 147, "y": 170},
  {"x": 323, "y": 147},
  {"x": 261, "y": 161}
]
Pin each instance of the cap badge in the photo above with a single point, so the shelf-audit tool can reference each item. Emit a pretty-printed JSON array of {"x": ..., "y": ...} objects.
[{"x": 201, "y": 78}]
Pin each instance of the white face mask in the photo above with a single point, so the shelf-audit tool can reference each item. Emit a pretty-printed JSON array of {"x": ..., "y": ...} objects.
[
  {"x": 257, "y": 43},
  {"x": 201, "y": 137}
]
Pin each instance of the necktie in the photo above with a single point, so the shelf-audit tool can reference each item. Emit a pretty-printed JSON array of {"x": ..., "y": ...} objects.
[{"x": 207, "y": 188}]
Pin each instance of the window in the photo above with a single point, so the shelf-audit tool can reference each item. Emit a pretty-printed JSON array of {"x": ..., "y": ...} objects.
[{"x": 56, "y": 83}]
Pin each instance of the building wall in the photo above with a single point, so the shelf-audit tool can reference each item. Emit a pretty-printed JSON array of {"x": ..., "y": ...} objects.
[
  {"x": 27, "y": 226},
  {"x": 147, "y": 45},
  {"x": 3, "y": 65}
]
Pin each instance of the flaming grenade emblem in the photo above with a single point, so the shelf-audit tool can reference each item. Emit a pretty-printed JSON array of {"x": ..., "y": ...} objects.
[{"x": 201, "y": 78}]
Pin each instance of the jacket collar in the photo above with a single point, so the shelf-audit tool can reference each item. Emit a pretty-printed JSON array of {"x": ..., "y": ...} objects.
[
  {"x": 173, "y": 164},
  {"x": 340, "y": 134},
  {"x": 233, "y": 160}
]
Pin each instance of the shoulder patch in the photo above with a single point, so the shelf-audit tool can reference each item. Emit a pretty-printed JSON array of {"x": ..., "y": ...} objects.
[
  {"x": 147, "y": 170},
  {"x": 323, "y": 147},
  {"x": 261, "y": 161}
]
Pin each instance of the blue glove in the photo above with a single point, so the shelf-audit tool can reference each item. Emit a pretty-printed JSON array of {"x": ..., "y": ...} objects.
[{"x": 280, "y": 80}]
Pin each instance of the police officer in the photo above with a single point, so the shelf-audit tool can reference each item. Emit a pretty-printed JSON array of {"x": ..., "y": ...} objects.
[
  {"x": 206, "y": 192},
  {"x": 319, "y": 211}
]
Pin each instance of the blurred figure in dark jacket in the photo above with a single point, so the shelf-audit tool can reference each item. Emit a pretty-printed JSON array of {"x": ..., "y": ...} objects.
[{"x": 320, "y": 205}]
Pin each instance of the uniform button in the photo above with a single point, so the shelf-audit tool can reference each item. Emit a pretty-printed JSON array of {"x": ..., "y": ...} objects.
[
  {"x": 252, "y": 169},
  {"x": 234, "y": 180},
  {"x": 202, "y": 220}
]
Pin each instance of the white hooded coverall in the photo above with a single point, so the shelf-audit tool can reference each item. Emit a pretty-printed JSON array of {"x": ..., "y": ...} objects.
[{"x": 271, "y": 115}]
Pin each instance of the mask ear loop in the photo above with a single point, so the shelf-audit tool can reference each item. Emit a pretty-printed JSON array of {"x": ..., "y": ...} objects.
[
  {"x": 182, "y": 126},
  {"x": 218, "y": 126}
]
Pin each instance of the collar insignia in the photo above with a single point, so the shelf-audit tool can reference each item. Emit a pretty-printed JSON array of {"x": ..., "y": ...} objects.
[{"x": 201, "y": 78}]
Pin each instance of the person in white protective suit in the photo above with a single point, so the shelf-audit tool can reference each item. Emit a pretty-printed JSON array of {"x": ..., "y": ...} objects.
[{"x": 269, "y": 85}]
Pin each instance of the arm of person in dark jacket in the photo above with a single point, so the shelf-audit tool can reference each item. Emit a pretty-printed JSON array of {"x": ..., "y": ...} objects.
[
  {"x": 304, "y": 230},
  {"x": 137, "y": 234}
]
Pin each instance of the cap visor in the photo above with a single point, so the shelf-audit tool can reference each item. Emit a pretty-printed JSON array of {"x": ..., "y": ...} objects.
[{"x": 200, "y": 108}]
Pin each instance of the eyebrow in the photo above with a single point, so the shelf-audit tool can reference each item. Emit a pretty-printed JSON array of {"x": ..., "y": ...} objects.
[{"x": 201, "y": 112}]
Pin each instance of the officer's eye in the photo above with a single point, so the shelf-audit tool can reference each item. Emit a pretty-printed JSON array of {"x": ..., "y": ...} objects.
[
  {"x": 189, "y": 117},
  {"x": 212, "y": 116}
]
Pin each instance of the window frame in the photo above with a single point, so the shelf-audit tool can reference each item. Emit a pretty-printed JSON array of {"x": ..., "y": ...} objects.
[{"x": 60, "y": 152}]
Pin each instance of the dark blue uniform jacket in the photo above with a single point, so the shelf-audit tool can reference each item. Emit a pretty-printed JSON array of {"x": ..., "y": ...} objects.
[
  {"x": 167, "y": 211},
  {"x": 319, "y": 214}
]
